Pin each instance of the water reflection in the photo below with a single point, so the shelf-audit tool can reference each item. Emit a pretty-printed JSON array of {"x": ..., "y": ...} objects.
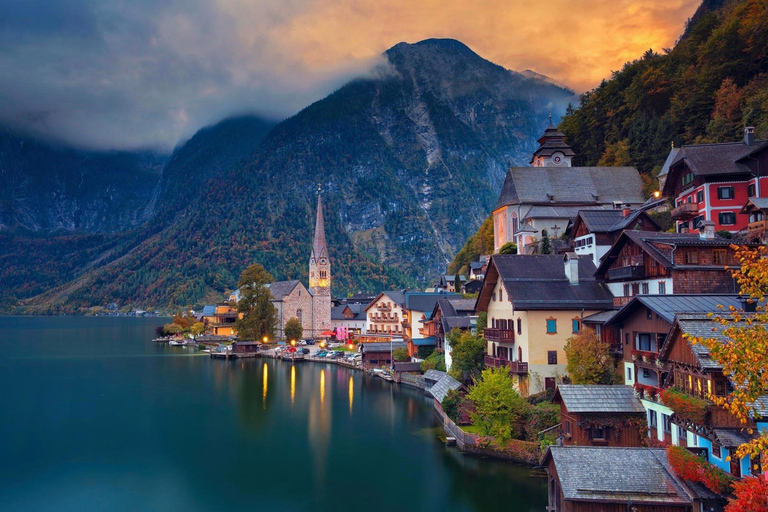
[
  {"x": 264, "y": 385},
  {"x": 351, "y": 393},
  {"x": 293, "y": 384},
  {"x": 322, "y": 387}
]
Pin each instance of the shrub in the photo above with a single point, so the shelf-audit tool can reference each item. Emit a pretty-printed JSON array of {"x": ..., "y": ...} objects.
[
  {"x": 401, "y": 354},
  {"x": 685, "y": 406},
  {"x": 435, "y": 361},
  {"x": 451, "y": 405},
  {"x": 524, "y": 451},
  {"x": 749, "y": 496},
  {"x": 498, "y": 407},
  {"x": 692, "y": 467},
  {"x": 540, "y": 417}
]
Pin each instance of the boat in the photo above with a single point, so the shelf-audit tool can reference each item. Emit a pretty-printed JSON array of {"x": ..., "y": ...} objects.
[
  {"x": 181, "y": 343},
  {"x": 162, "y": 339}
]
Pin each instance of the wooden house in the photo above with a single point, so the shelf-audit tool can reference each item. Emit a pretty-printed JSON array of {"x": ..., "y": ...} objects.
[
  {"x": 613, "y": 479},
  {"x": 756, "y": 210},
  {"x": 245, "y": 347},
  {"x": 378, "y": 354},
  {"x": 449, "y": 314},
  {"x": 220, "y": 319},
  {"x": 594, "y": 231},
  {"x": 600, "y": 415}
]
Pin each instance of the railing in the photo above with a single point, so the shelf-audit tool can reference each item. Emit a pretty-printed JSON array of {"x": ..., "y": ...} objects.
[
  {"x": 384, "y": 319},
  {"x": 621, "y": 301},
  {"x": 685, "y": 210},
  {"x": 382, "y": 307},
  {"x": 633, "y": 272},
  {"x": 514, "y": 366},
  {"x": 499, "y": 335},
  {"x": 758, "y": 226}
]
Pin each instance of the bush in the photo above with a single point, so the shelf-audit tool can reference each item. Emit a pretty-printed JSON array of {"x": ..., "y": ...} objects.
[
  {"x": 692, "y": 467},
  {"x": 685, "y": 406},
  {"x": 451, "y": 405},
  {"x": 524, "y": 451},
  {"x": 541, "y": 417},
  {"x": 401, "y": 355},
  {"x": 435, "y": 361},
  {"x": 499, "y": 409},
  {"x": 749, "y": 496},
  {"x": 425, "y": 351}
]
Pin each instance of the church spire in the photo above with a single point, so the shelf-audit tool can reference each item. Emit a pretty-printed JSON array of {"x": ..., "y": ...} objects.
[{"x": 319, "y": 247}]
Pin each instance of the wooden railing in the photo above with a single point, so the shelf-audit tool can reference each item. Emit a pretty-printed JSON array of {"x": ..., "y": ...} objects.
[
  {"x": 514, "y": 366},
  {"x": 685, "y": 210},
  {"x": 499, "y": 335},
  {"x": 633, "y": 272}
]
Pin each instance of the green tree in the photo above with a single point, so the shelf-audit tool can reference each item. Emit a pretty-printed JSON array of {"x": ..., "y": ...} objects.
[
  {"x": 198, "y": 328},
  {"x": 172, "y": 328},
  {"x": 499, "y": 409},
  {"x": 508, "y": 248},
  {"x": 589, "y": 359},
  {"x": 467, "y": 355},
  {"x": 457, "y": 283},
  {"x": 482, "y": 322},
  {"x": 293, "y": 329},
  {"x": 401, "y": 355},
  {"x": 259, "y": 314},
  {"x": 451, "y": 405},
  {"x": 545, "y": 246}
]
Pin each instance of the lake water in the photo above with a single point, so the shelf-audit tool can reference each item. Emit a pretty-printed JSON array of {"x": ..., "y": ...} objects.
[{"x": 95, "y": 416}]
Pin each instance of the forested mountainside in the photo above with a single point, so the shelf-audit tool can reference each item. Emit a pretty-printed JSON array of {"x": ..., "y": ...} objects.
[{"x": 410, "y": 162}]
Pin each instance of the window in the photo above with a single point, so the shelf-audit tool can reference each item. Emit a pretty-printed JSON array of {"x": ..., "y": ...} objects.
[
  {"x": 568, "y": 429},
  {"x": 751, "y": 190},
  {"x": 644, "y": 342},
  {"x": 682, "y": 434},
  {"x": 718, "y": 256},
  {"x": 716, "y": 450},
  {"x": 727, "y": 218},
  {"x": 552, "y": 357},
  {"x": 720, "y": 388},
  {"x": 551, "y": 326},
  {"x": 298, "y": 314},
  {"x": 691, "y": 257},
  {"x": 662, "y": 288},
  {"x": 626, "y": 338},
  {"x": 687, "y": 178},
  {"x": 626, "y": 290},
  {"x": 635, "y": 289},
  {"x": 576, "y": 324},
  {"x": 644, "y": 288},
  {"x": 725, "y": 192},
  {"x": 598, "y": 433},
  {"x": 700, "y": 196},
  {"x": 666, "y": 423},
  {"x": 519, "y": 326},
  {"x": 652, "y": 419},
  {"x": 629, "y": 373}
]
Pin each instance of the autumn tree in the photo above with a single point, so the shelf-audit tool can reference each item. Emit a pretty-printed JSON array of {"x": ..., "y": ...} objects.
[
  {"x": 172, "y": 328},
  {"x": 499, "y": 409},
  {"x": 259, "y": 314},
  {"x": 293, "y": 329},
  {"x": 589, "y": 359},
  {"x": 749, "y": 495},
  {"x": 467, "y": 355},
  {"x": 744, "y": 357},
  {"x": 197, "y": 328}
]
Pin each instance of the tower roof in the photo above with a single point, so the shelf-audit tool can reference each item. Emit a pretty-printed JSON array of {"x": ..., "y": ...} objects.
[
  {"x": 551, "y": 141},
  {"x": 319, "y": 247}
]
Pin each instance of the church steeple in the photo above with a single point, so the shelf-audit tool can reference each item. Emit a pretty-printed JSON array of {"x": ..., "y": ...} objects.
[
  {"x": 553, "y": 150},
  {"x": 319, "y": 262},
  {"x": 319, "y": 248}
]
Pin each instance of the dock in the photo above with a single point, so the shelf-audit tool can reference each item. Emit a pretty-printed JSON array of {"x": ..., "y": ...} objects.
[{"x": 233, "y": 355}]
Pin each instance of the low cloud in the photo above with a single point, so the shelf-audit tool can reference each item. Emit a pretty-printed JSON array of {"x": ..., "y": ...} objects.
[{"x": 149, "y": 73}]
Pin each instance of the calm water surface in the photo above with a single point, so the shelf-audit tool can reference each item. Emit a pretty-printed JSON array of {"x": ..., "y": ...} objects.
[{"x": 95, "y": 416}]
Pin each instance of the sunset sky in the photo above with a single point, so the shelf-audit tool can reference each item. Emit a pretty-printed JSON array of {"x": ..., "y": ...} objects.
[{"x": 126, "y": 74}]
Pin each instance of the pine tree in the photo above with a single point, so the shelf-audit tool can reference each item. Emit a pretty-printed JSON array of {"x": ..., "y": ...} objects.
[{"x": 545, "y": 247}]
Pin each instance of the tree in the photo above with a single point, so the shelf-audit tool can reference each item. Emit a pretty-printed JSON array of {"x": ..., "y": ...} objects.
[
  {"x": 482, "y": 321},
  {"x": 467, "y": 355},
  {"x": 401, "y": 354},
  {"x": 589, "y": 359},
  {"x": 198, "y": 328},
  {"x": 293, "y": 329},
  {"x": 499, "y": 409},
  {"x": 508, "y": 248},
  {"x": 182, "y": 321},
  {"x": 545, "y": 246},
  {"x": 259, "y": 314},
  {"x": 749, "y": 495},
  {"x": 457, "y": 283},
  {"x": 172, "y": 328},
  {"x": 745, "y": 356}
]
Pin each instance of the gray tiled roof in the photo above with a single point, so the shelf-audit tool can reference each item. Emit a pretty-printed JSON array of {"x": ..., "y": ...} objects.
[
  {"x": 667, "y": 306},
  {"x": 552, "y": 212},
  {"x": 640, "y": 475},
  {"x": 601, "y": 317},
  {"x": 580, "y": 185},
  {"x": 441, "y": 387},
  {"x": 279, "y": 289},
  {"x": 708, "y": 159},
  {"x": 462, "y": 305},
  {"x": 423, "y": 301},
  {"x": 383, "y": 346},
  {"x": 599, "y": 399},
  {"x": 434, "y": 375},
  {"x": 670, "y": 158},
  {"x": 731, "y": 438},
  {"x": 337, "y": 312},
  {"x": 456, "y": 322}
]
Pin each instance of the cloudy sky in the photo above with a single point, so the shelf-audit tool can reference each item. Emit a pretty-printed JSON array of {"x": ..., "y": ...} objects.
[{"x": 138, "y": 73}]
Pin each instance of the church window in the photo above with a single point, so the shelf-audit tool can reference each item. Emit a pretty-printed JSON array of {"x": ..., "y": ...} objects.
[
  {"x": 323, "y": 273},
  {"x": 298, "y": 314}
]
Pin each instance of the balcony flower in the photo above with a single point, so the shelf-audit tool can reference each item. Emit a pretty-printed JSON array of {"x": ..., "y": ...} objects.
[{"x": 685, "y": 406}]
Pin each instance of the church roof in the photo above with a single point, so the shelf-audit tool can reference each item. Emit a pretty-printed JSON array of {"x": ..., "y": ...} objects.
[
  {"x": 319, "y": 247},
  {"x": 587, "y": 186},
  {"x": 551, "y": 141},
  {"x": 279, "y": 289}
]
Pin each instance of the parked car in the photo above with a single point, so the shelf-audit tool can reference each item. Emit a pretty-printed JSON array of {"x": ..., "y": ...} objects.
[
  {"x": 305, "y": 350},
  {"x": 309, "y": 342}
]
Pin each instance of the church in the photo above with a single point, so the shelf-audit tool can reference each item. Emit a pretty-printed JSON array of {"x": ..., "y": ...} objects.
[
  {"x": 312, "y": 306},
  {"x": 551, "y": 192}
]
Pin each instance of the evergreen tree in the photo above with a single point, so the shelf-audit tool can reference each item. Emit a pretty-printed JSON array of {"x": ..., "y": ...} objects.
[
  {"x": 545, "y": 246},
  {"x": 259, "y": 314}
]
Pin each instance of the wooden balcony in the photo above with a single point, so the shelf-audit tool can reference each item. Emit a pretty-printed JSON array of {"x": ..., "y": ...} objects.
[
  {"x": 632, "y": 272},
  {"x": 619, "y": 302},
  {"x": 758, "y": 228},
  {"x": 685, "y": 211},
  {"x": 385, "y": 319},
  {"x": 499, "y": 335},
  {"x": 383, "y": 307},
  {"x": 514, "y": 366}
]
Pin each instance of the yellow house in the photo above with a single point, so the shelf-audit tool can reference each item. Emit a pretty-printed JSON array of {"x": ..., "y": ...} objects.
[
  {"x": 220, "y": 319},
  {"x": 534, "y": 304}
]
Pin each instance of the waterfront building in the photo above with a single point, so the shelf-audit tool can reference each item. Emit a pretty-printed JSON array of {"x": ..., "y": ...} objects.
[
  {"x": 418, "y": 310},
  {"x": 349, "y": 316},
  {"x": 220, "y": 319},
  {"x": 600, "y": 415},
  {"x": 379, "y": 354},
  {"x": 548, "y": 195},
  {"x": 385, "y": 313},
  {"x": 534, "y": 304},
  {"x": 449, "y": 314}
]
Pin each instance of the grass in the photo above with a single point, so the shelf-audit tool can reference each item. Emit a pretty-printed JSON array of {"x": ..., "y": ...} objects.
[{"x": 470, "y": 429}]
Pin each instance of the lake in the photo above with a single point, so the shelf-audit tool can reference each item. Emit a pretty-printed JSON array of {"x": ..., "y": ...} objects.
[{"x": 95, "y": 416}]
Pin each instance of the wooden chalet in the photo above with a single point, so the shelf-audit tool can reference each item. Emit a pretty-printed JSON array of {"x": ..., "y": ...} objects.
[
  {"x": 600, "y": 415},
  {"x": 449, "y": 314},
  {"x": 756, "y": 211},
  {"x": 378, "y": 354}
]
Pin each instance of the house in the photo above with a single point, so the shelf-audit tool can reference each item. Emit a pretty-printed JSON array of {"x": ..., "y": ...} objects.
[
  {"x": 600, "y": 415},
  {"x": 756, "y": 211},
  {"x": 642, "y": 327},
  {"x": 385, "y": 313},
  {"x": 613, "y": 479},
  {"x": 418, "y": 309},
  {"x": 245, "y": 347},
  {"x": 477, "y": 269},
  {"x": 445, "y": 283},
  {"x": 713, "y": 181},
  {"x": 349, "y": 316},
  {"x": 378, "y": 354},
  {"x": 695, "y": 376},
  {"x": 473, "y": 286},
  {"x": 551, "y": 193},
  {"x": 534, "y": 304},
  {"x": 594, "y": 231},
  {"x": 643, "y": 262},
  {"x": 220, "y": 319},
  {"x": 449, "y": 314}
]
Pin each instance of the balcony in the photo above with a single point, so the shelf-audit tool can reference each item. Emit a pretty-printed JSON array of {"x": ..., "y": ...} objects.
[
  {"x": 633, "y": 272},
  {"x": 499, "y": 335},
  {"x": 384, "y": 319},
  {"x": 514, "y": 366},
  {"x": 685, "y": 211},
  {"x": 383, "y": 307}
]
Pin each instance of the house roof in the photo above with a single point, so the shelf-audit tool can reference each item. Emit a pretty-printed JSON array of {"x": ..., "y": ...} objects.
[
  {"x": 382, "y": 346},
  {"x": 539, "y": 282},
  {"x": 434, "y": 375},
  {"x": 667, "y": 306},
  {"x": 443, "y": 386},
  {"x": 337, "y": 312},
  {"x": 732, "y": 438},
  {"x": 279, "y": 289},
  {"x": 407, "y": 366},
  {"x": 423, "y": 301},
  {"x": 569, "y": 185},
  {"x": 552, "y": 212},
  {"x": 617, "y": 474},
  {"x": 755, "y": 203},
  {"x": 456, "y": 322},
  {"x": 670, "y": 158},
  {"x": 209, "y": 310},
  {"x": 601, "y": 317},
  {"x": 396, "y": 296},
  {"x": 598, "y": 399},
  {"x": 429, "y": 341}
]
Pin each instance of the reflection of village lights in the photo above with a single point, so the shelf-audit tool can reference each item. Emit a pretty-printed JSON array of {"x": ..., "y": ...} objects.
[
  {"x": 265, "y": 381},
  {"x": 322, "y": 386},
  {"x": 351, "y": 394},
  {"x": 293, "y": 383}
]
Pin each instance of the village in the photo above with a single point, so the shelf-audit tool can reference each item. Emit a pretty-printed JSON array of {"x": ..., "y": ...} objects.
[{"x": 580, "y": 256}]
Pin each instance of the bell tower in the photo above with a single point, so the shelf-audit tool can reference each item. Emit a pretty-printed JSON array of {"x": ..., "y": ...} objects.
[
  {"x": 320, "y": 276},
  {"x": 553, "y": 150}
]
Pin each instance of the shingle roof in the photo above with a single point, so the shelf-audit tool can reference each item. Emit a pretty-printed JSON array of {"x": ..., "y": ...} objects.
[
  {"x": 616, "y": 474},
  {"x": 552, "y": 212},
  {"x": 581, "y": 185},
  {"x": 337, "y": 312},
  {"x": 462, "y": 305},
  {"x": 423, "y": 301},
  {"x": 731, "y": 438},
  {"x": 670, "y": 158},
  {"x": 279, "y": 289},
  {"x": 396, "y": 296},
  {"x": 599, "y": 399},
  {"x": 384, "y": 346},
  {"x": 600, "y": 221},
  {"x": 667, "y": 306},
  {"x": 434, "y": 375},
  {"x": 601, "y": 317},
  {"x": 441, "y": 387},
  {"x": 539, "y": 282},
  {"x": 209, "y": 310},
  {"x": 456, "y": 322}
]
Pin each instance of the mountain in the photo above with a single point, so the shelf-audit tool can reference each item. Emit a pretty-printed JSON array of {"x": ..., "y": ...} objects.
[
  {"x": 410, "y": 161},
  {"x": 712, "y": 84}
]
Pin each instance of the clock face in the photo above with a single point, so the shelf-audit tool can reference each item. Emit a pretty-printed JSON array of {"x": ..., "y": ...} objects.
[
  {"x": 322, "y": 261},
  {"x": 557, "y": 158}
]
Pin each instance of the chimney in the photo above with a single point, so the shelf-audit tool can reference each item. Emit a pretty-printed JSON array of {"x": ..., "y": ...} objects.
[
  {"x": 572, "y": 267},
  {"x": 706, "y": 230},
  {"x": 625, "y": 211},
  {"x": 749, "y": 135}
]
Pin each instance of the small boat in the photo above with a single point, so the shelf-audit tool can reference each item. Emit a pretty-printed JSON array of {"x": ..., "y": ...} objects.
[
  {"x": 162, "y": 339},
  {"x": 180, "y": 343}
]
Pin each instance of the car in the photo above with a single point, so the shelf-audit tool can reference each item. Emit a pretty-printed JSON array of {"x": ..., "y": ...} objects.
[
  {"x": 309, "y": 342},
  {"x": 305, "y": 350}
]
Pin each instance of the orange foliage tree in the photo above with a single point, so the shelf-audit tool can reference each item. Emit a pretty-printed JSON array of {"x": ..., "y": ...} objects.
[
  {"x": 589, "y": 359},
  {"x": 749, "y": 495}
]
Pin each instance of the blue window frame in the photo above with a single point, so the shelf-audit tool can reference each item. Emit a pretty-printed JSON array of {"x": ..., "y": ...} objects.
[
  {"x": 551, "y": 326},
  {"x": 576, "y": 325}
]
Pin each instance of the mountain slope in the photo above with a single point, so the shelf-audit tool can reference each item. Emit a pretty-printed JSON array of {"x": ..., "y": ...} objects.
[{"x": 410, "y": 163}]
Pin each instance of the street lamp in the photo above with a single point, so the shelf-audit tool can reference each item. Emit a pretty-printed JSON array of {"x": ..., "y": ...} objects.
[
  {"x": 293, "y": 343},
  {"x": 265, "y": 339}
]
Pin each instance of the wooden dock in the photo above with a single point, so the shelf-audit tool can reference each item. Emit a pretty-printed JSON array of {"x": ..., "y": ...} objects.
[{"x": 233, "y": 355}]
